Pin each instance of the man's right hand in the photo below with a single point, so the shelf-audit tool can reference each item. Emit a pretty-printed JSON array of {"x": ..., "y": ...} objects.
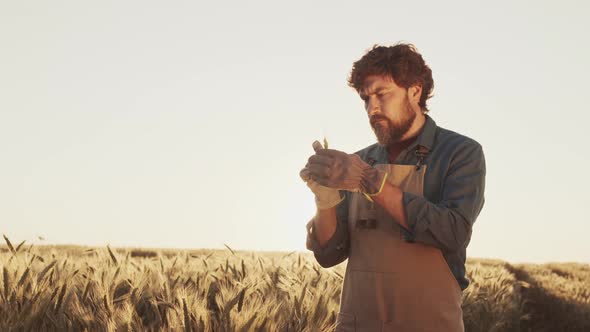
[{"x": 324, "y": 197}]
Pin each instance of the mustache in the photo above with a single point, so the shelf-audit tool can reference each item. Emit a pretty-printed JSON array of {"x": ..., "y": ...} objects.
[{"x": 377, "y": 118}]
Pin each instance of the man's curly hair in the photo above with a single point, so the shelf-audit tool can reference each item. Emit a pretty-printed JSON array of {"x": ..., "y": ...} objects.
[{"x": 402, "y": 62}]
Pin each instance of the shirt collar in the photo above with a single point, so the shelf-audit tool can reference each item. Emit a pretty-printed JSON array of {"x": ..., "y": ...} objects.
[{"x": 425, "y": 139}]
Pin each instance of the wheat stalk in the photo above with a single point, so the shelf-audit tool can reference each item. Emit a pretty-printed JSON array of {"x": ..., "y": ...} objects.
[{"x": 9, "y": 244}]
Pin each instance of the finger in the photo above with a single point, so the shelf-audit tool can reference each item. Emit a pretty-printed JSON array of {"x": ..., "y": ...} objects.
[
  {"x": 317, "y": 146},
  {"x": 319, "y": 171},
  {"x": 322, "y": 181},
  {"x": 304, "y": 174},
  {"x": 321, "y": 160}
]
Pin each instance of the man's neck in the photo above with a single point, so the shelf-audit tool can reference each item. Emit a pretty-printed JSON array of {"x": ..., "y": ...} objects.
[
  {"x": 416, "y": 127},
  {"x": 396, "y": 148}
]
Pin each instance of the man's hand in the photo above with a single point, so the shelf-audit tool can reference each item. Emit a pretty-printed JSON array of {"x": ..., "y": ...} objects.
[
  {"x": 339, "y": 170},
  {"x": 305, "y": 173},
  {"x": 324, "y": 197}
]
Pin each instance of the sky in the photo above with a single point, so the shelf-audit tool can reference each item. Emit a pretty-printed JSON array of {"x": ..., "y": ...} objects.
[{"x": 184, "y": 124}]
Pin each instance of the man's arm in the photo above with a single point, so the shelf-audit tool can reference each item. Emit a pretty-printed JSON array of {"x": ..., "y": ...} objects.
[
  {"x": 327, "y": 234},
  {"x": 447, "y": 224}
]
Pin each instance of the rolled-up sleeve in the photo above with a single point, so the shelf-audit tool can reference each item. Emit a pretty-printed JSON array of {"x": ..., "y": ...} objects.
[
  {"x": 335, "y": 251},
  {"x": 448, "y": 224}
]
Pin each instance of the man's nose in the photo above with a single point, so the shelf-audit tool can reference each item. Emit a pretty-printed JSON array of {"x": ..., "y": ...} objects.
[{"x": 372, "y": 106}]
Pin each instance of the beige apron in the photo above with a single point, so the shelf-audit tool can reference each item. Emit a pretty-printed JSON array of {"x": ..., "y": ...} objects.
[{"x": 391, "y": 284}]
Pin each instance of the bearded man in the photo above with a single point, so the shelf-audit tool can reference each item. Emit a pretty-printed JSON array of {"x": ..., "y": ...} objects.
[{"x": 400, "y": 210}]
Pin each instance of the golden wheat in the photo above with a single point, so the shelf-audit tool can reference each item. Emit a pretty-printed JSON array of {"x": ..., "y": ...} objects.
[{"x": 87, "y": 289}]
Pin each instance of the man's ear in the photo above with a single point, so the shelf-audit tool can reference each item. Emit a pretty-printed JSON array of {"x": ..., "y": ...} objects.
[{"x": 414, "y": 93}]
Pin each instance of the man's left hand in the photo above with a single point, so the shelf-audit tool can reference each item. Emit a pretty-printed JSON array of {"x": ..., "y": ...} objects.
[{"x": 339, "y": 170}]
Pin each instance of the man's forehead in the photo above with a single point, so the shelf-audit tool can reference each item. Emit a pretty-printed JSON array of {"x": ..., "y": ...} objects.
[{"x": 373, "y": 82}]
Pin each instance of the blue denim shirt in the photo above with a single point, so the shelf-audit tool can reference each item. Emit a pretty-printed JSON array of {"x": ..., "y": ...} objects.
[{"x": 453, "y": 198}]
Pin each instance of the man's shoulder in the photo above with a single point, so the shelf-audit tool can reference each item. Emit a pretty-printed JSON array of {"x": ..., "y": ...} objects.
[
  {"x": 458, "y": 149},
  {"x": 449, "y": 139}
]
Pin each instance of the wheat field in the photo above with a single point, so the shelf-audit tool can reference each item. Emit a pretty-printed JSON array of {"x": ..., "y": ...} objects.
[{"x": 73, "y": 288}]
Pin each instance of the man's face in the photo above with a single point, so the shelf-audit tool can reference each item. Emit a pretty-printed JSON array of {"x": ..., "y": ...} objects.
[{"x": 390, "y": 112}]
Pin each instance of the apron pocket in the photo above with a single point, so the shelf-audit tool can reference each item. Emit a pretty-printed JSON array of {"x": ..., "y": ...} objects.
[{"x": 345, "y": 323}]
